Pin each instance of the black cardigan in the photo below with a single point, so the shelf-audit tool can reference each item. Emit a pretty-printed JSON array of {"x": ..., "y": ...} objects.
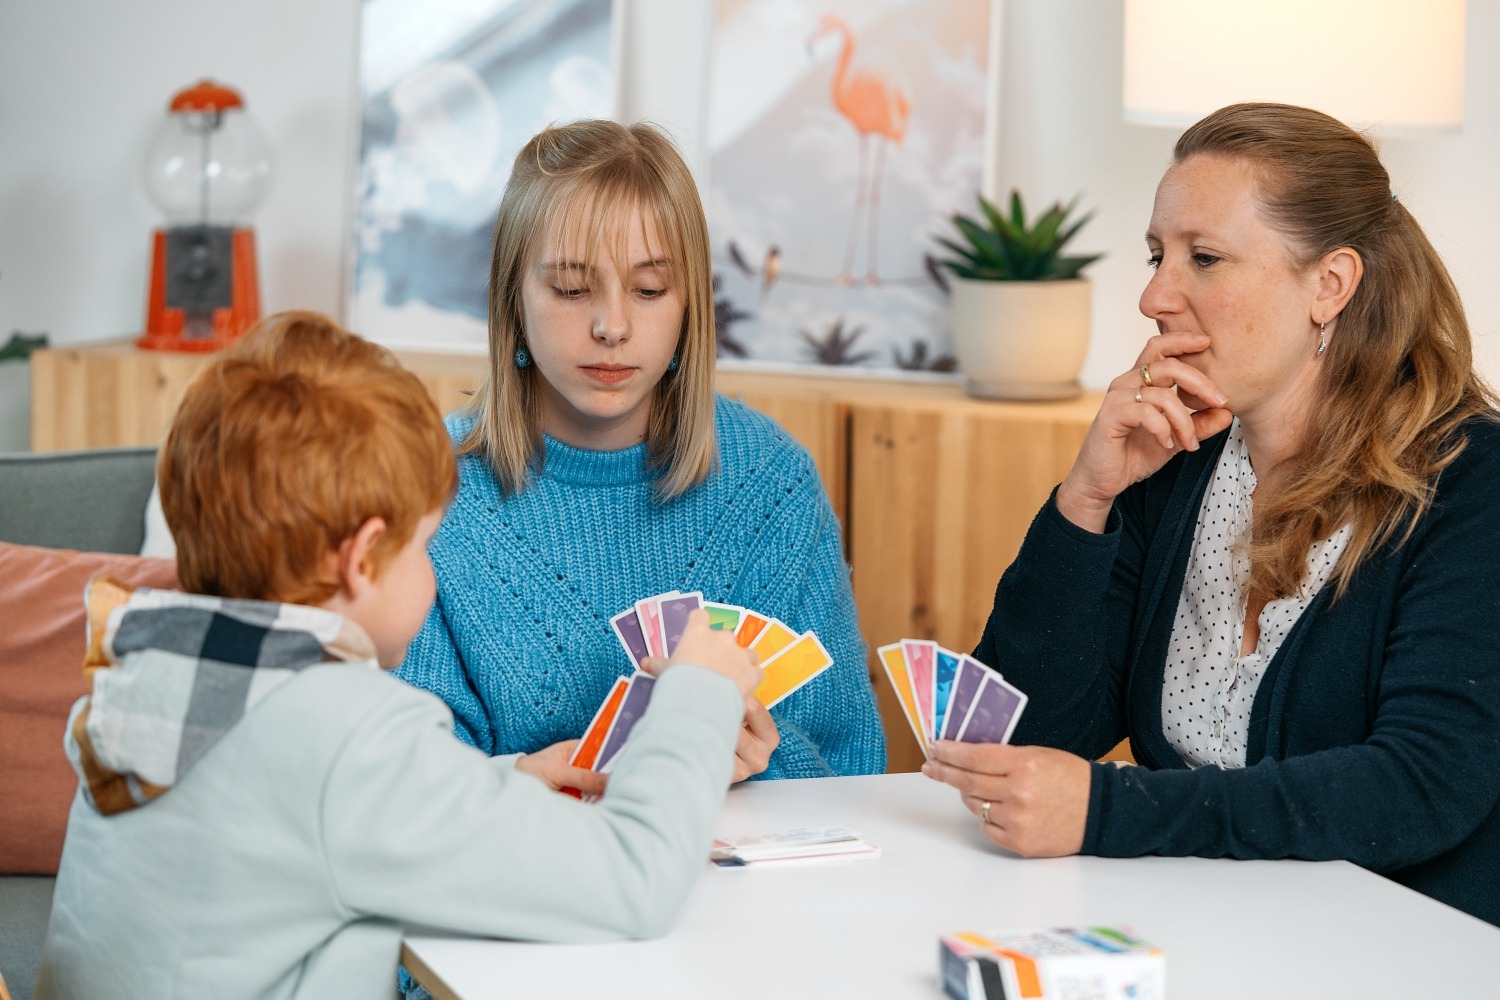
[{"x": 1375, "y": 733}]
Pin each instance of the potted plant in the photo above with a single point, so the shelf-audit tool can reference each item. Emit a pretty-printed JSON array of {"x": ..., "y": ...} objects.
[{"x": 1020, "y": 310}]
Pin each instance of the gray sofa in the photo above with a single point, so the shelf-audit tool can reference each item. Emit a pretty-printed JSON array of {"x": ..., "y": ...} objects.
[{"x": 93, "y": 501}]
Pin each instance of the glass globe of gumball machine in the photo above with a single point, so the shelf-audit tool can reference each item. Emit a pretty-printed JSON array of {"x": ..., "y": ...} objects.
[{"x": 208, "y": 170}]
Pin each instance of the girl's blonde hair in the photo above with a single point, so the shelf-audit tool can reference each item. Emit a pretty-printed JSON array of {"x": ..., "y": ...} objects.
[
  {"x": 1398, "y": 378},
  {"x": 594, "y": 177}
]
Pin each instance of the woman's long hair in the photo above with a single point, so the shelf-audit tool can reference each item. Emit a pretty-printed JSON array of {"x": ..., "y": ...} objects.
[
  {"x": 1398, "y": 378},
  {"x": 598, "y": 177}
]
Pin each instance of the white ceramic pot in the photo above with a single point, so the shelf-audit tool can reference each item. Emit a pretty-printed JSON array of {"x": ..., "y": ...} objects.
[{"x": 1021, "y": 339}]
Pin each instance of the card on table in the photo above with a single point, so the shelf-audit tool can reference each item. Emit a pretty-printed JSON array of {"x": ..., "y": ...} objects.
[
  {"x": 994, "y": 712},
  {"x": 944, "y": 668},
  {"x": 791, "y": 668},
  {"x": 965, "y": 685},
  {"x": 632, "y": 707},
  {"x": 894, "y": 661}
]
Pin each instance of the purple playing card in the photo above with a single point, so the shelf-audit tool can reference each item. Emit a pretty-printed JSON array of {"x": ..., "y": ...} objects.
[
  {"x": 627, "y": 626},
  {"x": 994, "y": 712},
  {"x": 631, "y": 709},
  {"x": 965, "y": 685},
  {"x": 674, "y": 616}
]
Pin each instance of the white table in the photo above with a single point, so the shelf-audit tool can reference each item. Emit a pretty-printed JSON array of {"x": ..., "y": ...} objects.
[{"x": 1230, "y": 929}]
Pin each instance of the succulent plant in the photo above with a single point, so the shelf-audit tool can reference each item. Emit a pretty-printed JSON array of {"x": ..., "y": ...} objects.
[{"x": 1000, "y": 247}]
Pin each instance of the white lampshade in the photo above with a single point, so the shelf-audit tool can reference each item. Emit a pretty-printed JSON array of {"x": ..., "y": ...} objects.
[{"x": 1395, "y": 64}]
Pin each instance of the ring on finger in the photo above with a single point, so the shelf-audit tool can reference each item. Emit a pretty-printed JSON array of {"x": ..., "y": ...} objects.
[
  {"x": 984, "y": 812},
  {"x": 1139, "y": 389},
  {"x": 1146, "y": 374}
]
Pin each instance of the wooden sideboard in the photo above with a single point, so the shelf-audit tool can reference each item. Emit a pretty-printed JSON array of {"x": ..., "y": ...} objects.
[{"x": 935, "y": 489}]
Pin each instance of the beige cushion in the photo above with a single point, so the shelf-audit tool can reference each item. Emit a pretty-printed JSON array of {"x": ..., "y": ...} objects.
[{"x": 42, "y": 645}]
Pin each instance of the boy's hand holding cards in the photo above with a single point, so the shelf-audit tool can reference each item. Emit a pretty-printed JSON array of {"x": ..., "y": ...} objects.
[
  {"x": 652, "y": 628},
  {"x": 950, "y": 696}
]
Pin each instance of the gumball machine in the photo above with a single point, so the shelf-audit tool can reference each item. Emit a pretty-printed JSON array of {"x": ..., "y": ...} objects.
[{"x": 208, "y": 170}]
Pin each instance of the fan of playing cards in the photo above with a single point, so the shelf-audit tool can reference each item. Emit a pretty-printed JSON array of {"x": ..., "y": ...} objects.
[
  {"x": 950, "y": 696},
  {"x": 653, "y": 627}
]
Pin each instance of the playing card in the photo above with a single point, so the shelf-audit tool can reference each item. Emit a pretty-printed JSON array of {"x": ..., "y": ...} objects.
[
  {"x": 627, "y": 626},
  {"x": 894, "y": 662},
  {"x": 772, "y": 639},
  {"x": 750, "y": 627},
  {"x": 994, "y": 712},
  {"x": 920, "y": 659},
  {"x": 587, "y": 750},
  {"x": 649, "y": 611},
  {"x": 632, "y": 707},
  {"x": 944, "y": 668},
  {"x": 725, "y": 617},
  {"x": 674, "y": 616},
  {"x": 791, "y": 668},
  {"x": 965, "y": 685}
]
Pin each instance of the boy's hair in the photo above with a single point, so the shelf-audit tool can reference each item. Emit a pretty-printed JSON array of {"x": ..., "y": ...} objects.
[{"x": 287, "y": 443}]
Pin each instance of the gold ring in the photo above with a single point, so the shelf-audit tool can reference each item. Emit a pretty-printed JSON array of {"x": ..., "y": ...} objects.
[
  {"x": 1146, "y": 373},
  {"x": 984, "y": 811},
  {"x": 1138, "y": 390}
]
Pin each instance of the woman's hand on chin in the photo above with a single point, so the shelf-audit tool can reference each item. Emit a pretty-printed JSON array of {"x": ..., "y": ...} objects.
[{"x": 1160, "y": 407}]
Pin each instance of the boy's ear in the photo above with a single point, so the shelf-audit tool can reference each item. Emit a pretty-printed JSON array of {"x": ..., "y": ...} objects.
[{"x": 355, "y": 567}]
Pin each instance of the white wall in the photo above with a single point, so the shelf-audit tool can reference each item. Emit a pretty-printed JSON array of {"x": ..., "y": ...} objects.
[{"x": 84, "y": 82}]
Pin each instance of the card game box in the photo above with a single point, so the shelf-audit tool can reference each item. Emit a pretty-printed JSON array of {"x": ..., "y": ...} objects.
[
  {"x": 1065, "y": 963},
  {"x": 950, "y": 696}
]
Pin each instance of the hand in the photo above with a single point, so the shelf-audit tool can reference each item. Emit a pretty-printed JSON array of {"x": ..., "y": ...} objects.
[
  {"x": 552, "y": 768},
  {"x": 1038, "y": 797},
  {"x": 759, "y": 738},
  {"x": 714, "y": 651},
  {"x": 1130, "y": 440}
]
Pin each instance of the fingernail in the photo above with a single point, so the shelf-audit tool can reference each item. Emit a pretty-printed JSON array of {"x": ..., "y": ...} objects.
[
  {"x": 1221, "y": 399},
  {"x": 1171, "y": 444}
]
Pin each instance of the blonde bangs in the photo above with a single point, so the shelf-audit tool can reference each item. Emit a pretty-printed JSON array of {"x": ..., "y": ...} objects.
[{"x": 577, "y": 189}]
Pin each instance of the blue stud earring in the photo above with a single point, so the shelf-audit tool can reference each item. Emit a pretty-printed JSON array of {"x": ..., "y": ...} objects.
[
  {"x": 523, "y": 357},
  {"x": 672, "y": 365}
]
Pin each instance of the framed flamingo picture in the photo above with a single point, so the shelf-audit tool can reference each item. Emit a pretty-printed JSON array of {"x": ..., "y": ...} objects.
[{"x": 841, "y": 134}]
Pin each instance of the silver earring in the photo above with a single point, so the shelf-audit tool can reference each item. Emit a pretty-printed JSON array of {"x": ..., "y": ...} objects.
[
  {"x": 672, "y": 365},
  {"x": 523, "y": 357},
  {"x": 1322, "y": 340}
]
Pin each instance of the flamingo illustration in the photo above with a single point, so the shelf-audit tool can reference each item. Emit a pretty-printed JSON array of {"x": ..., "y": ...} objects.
[{"x": 878, "y": 110}]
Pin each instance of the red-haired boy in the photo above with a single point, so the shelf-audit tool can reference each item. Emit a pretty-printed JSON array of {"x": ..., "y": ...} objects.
[{"x": 261, "y": 808}]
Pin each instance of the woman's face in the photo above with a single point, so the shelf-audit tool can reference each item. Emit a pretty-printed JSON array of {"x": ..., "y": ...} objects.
[
  {"x": 601, "y": 337},
  {"x": 1222, "y": 270}
]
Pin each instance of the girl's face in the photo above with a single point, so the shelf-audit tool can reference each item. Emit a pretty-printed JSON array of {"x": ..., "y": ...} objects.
[{"x": 601, "y": 336}]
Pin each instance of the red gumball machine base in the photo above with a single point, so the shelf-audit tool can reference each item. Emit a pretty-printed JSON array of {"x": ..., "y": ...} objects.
[{"x": 204, "y": 293}]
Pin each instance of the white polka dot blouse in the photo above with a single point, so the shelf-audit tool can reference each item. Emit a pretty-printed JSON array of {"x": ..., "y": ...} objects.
[{"x": 1209, "y": 687}]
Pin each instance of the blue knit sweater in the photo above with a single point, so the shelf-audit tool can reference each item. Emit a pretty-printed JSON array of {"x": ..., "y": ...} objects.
[{"x": 519, "y": 644}]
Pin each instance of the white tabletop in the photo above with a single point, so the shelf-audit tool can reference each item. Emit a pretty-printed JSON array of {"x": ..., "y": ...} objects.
[{"x": 1230, "y": 929}]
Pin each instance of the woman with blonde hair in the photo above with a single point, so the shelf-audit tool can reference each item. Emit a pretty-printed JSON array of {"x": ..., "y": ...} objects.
[
  {"x": 597, "y": 467},
  {"x": 1275, "y": 563}
]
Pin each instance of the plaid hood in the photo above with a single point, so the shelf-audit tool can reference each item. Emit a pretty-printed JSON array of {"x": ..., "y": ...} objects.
[{"x": 170, "y": 673}]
